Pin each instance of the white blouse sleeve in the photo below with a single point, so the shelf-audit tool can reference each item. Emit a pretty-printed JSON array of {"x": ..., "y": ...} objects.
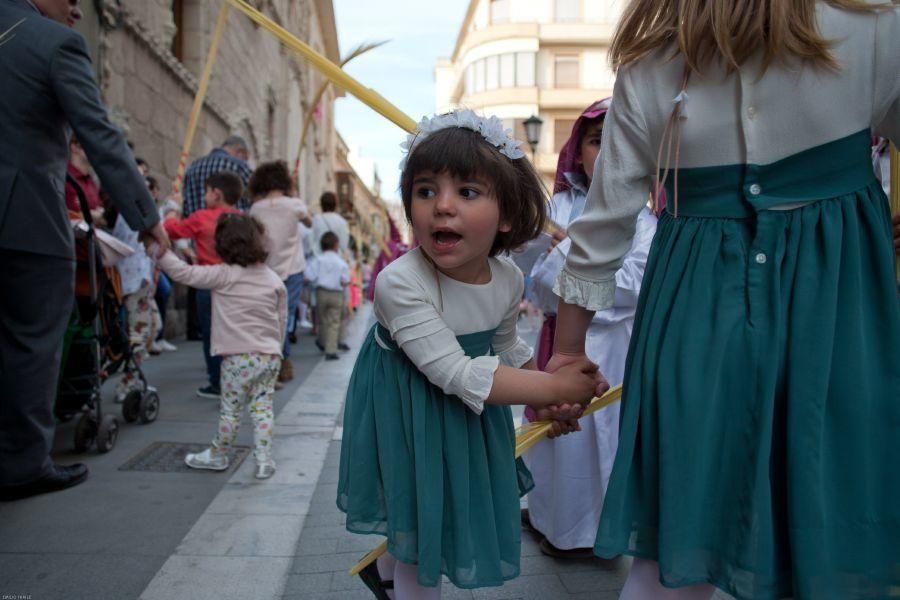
[
  {"x": 602, "y": 235},
  {"x": 512, "y": 350},
  {"x": 886, "y": 109},
  {"x": 404, "y": 307}
]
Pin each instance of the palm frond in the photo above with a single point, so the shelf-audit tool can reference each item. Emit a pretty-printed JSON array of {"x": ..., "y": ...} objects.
[{"x": 362, "y": 49}]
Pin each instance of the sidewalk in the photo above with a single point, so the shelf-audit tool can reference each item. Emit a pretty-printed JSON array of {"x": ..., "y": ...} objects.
[
  {"x": 107, "y": 538},
  {"x": 177, "y": 535}
]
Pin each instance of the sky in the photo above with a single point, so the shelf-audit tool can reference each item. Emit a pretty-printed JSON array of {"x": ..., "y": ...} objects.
[{"x": 402, "y": 71}]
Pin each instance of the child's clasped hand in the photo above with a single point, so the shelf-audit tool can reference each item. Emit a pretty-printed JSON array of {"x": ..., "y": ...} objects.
[{"x": 575, "y": 384}]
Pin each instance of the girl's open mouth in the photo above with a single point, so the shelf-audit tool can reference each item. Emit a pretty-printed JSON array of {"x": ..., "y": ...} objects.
[{"x": 445, "y": 240}]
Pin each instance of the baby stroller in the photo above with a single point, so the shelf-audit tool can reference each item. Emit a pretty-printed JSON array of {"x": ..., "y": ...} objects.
[{"x": 96, "y": 346}]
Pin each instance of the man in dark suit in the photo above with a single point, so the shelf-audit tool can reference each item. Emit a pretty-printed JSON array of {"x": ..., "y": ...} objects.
[{"x": 48, "y": 91}]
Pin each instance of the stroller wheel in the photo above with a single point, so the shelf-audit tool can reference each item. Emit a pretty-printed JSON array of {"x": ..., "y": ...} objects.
[
  {"x": 149, "y": 408},
  {"x": 131, "y": 407},
  {"x": 85, "y": 433},
  {"x": 107, "y": 433}
]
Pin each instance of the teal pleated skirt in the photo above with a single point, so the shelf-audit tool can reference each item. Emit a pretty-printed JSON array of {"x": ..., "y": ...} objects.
[
  {"x": 760, "y": 427},
  {"x": 419, "y": 467}
]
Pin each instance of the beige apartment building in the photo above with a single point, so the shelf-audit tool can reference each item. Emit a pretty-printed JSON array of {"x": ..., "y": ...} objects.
[{"x": 517, "y": 58}]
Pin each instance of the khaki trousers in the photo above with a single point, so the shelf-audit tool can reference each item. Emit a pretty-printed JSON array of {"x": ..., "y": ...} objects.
[{"x": 330, "y": 310}]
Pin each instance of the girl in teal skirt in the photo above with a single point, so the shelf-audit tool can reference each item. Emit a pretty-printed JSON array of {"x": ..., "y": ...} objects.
[
  {"x": 427, "y": 457},
  {"x": 760, "y": 422}
]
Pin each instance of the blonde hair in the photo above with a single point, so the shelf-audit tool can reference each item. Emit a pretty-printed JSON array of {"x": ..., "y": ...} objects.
[{"x": 729, "y": 30}]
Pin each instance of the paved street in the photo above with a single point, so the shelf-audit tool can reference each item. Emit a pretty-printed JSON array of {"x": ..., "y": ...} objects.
[{"x": 128, "y": 534}]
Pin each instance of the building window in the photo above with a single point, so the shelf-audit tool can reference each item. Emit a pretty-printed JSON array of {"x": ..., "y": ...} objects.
[
  {"x": 470, "y": 79},
  {"x": 562, "y": 129},
  {"x": 568, "y": 11},
  {"x": 525, "y": 69},
  {"x": 500, "y": 71},
  {"x": 507, "y": 70},
  {"x": 566, "y": 71},
  {"x": 479, "y": 76},
  {"x": 493, "y": 72},
  {"x": 177, "y": 48},
  {"x": 499, "y": 11}
]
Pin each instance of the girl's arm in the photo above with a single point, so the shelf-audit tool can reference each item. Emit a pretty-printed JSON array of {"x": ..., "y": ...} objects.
[
  {"x": 571, "y": 384},
  {"x": 208, "y": 277},
  {"x": 414, "y": 323},
  {"x": 602, "y": 235}
]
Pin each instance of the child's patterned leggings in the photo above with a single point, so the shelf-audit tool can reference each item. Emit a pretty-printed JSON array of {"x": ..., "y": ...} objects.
[
  {"x": 143, "y": 324},
  {"x": 248, "y": 379}
]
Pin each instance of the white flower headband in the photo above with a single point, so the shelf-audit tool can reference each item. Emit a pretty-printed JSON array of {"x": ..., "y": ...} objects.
[{"x": 490, "y": 128}]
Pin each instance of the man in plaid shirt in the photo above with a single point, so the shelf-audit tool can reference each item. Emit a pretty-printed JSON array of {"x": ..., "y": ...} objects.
[{"x": 231, "y": 156}]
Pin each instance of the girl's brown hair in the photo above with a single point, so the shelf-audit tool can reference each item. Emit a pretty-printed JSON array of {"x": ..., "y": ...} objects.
[
  {"x": 240, "y": 240},
  {"x": 730, "y": 30},
  {"x": 270, "y": 177},
  {"x": 515, "y": 184}
]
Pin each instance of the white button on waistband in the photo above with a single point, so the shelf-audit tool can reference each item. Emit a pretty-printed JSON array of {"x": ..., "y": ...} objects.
[
  {"x": 755, "y": 189},
  {"x": 751, "y": 112},
  {"x": 761, "y": 258}
]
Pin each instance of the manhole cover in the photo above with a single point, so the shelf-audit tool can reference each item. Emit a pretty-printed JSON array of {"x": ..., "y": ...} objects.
[{"x": 168, "y": 457}]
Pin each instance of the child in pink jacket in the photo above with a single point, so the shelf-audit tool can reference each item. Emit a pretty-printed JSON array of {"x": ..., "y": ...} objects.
[{"x": 249, "y": 316}]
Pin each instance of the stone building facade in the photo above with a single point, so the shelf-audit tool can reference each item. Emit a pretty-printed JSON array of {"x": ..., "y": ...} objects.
[
  {"x": 360, "y": 202},
  {"x": 149, "y": 55}
]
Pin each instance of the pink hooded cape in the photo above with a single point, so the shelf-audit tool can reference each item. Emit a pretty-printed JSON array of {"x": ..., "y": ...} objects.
[{"x": 397, "y": 249}]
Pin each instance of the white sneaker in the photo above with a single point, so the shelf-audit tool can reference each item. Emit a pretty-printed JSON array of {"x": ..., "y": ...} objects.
[
  {"x": 304, "y": 324},
  {"x": 207, "y": 460},
  {"x": 166, "y": 346},
  {"x": 265, "y": 469}
]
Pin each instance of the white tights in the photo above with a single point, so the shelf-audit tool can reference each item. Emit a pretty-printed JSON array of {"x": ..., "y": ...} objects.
[
  {"x": 643, "y": 584},
  {"x": 406, "y": 587}
]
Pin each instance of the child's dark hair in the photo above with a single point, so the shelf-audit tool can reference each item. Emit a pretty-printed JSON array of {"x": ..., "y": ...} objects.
[
  {"x": 152, "y": 183},
  {"x": 328, "y": 201},
  {"x": 329, "y": 241},
  {"x": 240, "y": 240},
  {"x": 229, "y": 184},
  {"x": 270, "y": 177},
  {"x": 520, "y": 193}
]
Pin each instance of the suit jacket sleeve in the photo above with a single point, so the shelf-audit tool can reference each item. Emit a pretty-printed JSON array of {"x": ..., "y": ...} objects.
[{"x": 73, "y": 83}]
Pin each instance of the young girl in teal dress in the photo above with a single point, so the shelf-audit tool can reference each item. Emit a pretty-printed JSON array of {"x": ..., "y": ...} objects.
[
  {"x": 760, "y": 423},
  {"x": 427, "y": 457}
]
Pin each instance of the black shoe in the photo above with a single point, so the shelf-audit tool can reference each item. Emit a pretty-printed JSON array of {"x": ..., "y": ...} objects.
[
  {"x": 331, "y": 357},
  {"x": 320, "y": 346},
  {"x": 292, "y": 337},
  {"x": 374, "y": 582},
  {"x": 575, "y": 553},
  {"x": 58, "y": 477},
  {"x": 209, "y": 391},
  {"x": 344, "y": 347}
]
